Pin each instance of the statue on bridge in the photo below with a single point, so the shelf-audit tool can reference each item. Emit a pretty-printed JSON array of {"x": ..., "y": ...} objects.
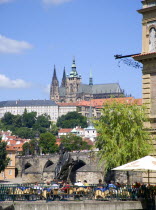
[{"x": 64, "y": 165}]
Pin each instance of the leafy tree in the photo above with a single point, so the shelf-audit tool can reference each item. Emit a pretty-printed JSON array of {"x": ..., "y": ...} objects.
[
  {"x": 72, "y": 119},
  {"x": 25, "y": 148},
  {"x": 23, "y": 132},
  {"x": 8, "y": 118},
  {"x": 42, "y": 123},
  {"x": 73, "y": 143},
  {"x": 122, "y": 137},
  {"x": 53, "y": 129},
  {"x": 47, "y": 142},
  {"x": 17, "y": 121},
  {"x": 3, "y": 156},
  {"x": 28, "y": 119},
  {"x": 29, "y": 147}
]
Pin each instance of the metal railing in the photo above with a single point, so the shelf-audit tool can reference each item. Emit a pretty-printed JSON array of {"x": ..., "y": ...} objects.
[{"x": 30, "y": 192}]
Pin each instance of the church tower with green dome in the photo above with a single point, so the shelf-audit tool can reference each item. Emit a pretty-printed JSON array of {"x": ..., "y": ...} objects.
[
  {"x": 72, "y": 84},
  {"x": 72, "y": 89}
]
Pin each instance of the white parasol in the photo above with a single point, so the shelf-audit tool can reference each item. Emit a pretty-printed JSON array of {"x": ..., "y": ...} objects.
[{"x": 145, "y": 164}]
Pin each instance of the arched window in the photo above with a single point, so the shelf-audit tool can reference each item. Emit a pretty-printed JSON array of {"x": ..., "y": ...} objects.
[
  {"x": 71, "y": 88},
  {"x": 152, "y": 40}
]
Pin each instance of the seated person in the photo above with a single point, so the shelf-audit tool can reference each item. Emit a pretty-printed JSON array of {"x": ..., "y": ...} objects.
[
  {"x": 112, "y": 185},
  {"x": 79, "y": 183},
  {"x": 37, "y": 187},
  {"x": 65, "y": 187},
  {"x": 101, "y": 188},
  {"x": 85, "y": 183},
  {"x": 54, "y": 185}
]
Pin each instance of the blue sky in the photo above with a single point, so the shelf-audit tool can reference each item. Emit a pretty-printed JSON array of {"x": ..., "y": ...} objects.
[{"x": 36, "y": 34}]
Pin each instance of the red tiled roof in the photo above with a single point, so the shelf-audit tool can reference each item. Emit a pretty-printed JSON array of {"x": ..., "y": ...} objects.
[
  {"x": 100, "y": 102},
  {"x": 11, "y": 137},
  {"x": 65, "y": 130},
  {"x": 58, "y": 141},
  {"x": 68, "y": 104},
  {"x": 14, "y": 148}
]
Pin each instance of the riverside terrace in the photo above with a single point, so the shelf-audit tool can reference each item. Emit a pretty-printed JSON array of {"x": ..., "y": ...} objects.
[{"x": 33, "y": 192}]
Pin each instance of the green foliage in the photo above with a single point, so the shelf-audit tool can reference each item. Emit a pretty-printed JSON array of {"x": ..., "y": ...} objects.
[
  {"x": 29, "y": 147},
  {"x": 71, "y": 120},
  {"x": 28, "y": 119},
  {"x": 27, "y": 125},
  {"x": 42, "y": 123},
  {"x": 8, "y": 118},
  {"x": 47, "y": 142},
  {"x": 24, "y": 132},
  {"x": 25, "y": 148},
  {"x": 122, "y": 137},
  {"x": 3, "y": 156},
  {"x": 73, "y": 143},
  {"x": 53, "y": 129}
]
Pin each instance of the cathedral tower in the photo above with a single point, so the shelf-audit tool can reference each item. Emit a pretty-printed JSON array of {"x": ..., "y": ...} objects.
[
  {"x": 63, "y": 84},
  {"x": 72, "y": 84},
  {"x": 54, "y": 88},
  {"x": 90, "y": 78}
]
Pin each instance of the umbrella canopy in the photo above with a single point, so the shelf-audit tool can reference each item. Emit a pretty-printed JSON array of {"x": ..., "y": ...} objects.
[{"x": 146, "y": 163}]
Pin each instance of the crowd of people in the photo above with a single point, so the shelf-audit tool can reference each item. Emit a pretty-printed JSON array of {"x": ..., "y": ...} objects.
[{"x": 65, "y": 185}]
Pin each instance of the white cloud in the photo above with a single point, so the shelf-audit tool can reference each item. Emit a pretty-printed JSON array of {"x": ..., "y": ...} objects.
[
  {"x": 6, "y": 82},
  {"x": 5, "y": 1},
  {"x": 12, "y": 46},
  {"x": 55, "y": 2}
]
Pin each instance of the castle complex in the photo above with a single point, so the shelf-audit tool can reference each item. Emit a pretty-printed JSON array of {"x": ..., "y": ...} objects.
[{"x": 72, "y": 90}]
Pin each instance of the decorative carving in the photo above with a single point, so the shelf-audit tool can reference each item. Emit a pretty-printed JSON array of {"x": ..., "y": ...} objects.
[
  {"x": 152, "y": 40},
  {"x": 64, "y": 165}
]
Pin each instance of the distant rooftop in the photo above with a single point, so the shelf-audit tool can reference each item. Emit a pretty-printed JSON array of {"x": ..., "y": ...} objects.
[{"x": 26, "y": 103}]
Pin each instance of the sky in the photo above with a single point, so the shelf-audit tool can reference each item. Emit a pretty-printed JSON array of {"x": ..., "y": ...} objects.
[{"x": 35, "y": 35}]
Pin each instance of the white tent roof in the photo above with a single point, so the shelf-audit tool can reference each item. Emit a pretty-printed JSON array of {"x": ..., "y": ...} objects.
[{"x": 146, "y": 163}]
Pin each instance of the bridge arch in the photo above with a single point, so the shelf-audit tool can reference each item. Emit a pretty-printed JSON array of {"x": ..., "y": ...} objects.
[
  {"x": 27, "y": 165},
  {"x": 78, "y": 164},
  {"x": 48, "y": 164}
]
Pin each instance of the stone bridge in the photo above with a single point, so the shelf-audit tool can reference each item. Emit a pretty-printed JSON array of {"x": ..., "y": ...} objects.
[{"x": 41, "y": 168}]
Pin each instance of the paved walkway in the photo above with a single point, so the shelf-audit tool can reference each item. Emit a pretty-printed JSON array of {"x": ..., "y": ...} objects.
[{"x": 17, "y": 180}]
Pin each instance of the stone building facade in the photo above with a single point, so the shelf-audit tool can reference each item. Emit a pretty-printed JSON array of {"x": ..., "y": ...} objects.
[
  {"x": 72, "y": 89},
  {"x": 41, "y": 107},
  {"x": 148, "y": 58}
]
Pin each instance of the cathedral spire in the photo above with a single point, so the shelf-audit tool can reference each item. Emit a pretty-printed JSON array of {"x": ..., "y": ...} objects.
[
  {"x": 73, "y": 72},
  {"x": 90, "y": 78},
  {"x": 54, "y": 74},
  {"x": 54, "y": 88},
  {"x": 63, "y": 84}
]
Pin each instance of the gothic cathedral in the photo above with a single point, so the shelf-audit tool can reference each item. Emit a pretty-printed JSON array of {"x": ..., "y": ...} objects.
[{"x": 72, "y": 89}]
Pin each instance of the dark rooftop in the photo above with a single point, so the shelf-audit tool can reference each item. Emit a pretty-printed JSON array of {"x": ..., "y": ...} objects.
[{"x": 27, "y": 103}]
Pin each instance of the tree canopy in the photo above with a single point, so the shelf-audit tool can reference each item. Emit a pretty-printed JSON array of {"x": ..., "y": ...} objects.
[
  {"x": 29, "y": 147},
  {"x": 73, "y": 143},
  {"x": 47, "y": 142},
  {"x": 27, "y": 125},
  {"x": 122, "y": 137},
  {"x": 4, "y": 160},
  {"x": 72, "y": 119}
]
